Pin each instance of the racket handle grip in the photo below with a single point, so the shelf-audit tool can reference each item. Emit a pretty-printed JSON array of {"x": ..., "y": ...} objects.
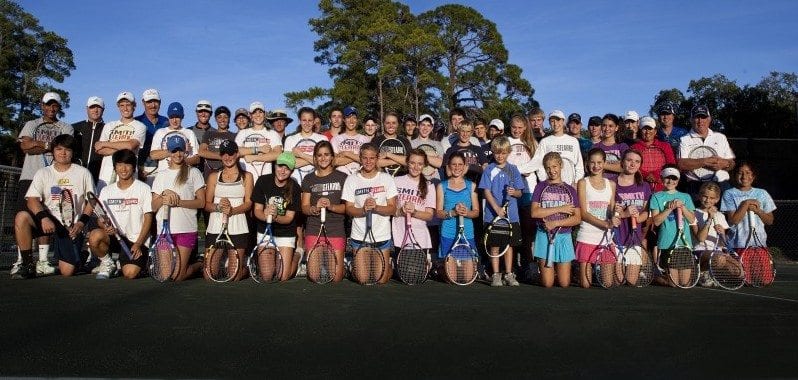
[
  {"x": 269, "y": 218},
  {"x": 751, "y": 216},
  {"x": 679, "y": 218},
  {"x": 323, "y": 214},
  {"x": 407, "y": 220},
  {"x": 460, "y": 222},
  {"x": 634, "y": 223}
]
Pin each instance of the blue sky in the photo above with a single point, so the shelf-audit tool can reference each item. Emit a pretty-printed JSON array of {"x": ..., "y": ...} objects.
[{"x": 590, "y": 57}]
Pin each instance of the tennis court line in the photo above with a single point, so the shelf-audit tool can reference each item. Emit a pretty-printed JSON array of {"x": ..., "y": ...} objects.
[{"x": 749, "y": 294}]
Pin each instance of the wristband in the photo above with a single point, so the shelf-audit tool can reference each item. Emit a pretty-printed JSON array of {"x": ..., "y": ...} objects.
[
  {"x": 41, "y": 215},
  {"x": 84, "y": 219}
]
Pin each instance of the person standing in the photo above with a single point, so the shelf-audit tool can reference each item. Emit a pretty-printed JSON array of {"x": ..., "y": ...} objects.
[
  {"x": 87, "y": 133},
  {"x": 668, "y": 131},
  {"x": 125, "y": 133},
  {"x": 151, "y": 101}
]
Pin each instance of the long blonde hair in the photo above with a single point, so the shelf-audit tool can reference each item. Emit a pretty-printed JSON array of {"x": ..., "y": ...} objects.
[{"x": 526, "y": 137}]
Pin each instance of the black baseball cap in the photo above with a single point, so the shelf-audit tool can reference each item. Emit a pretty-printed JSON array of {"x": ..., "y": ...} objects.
[
  {"x": 594, "y": 120},
  {"x": 575, "y": 117},
  {"x": 220, "y": 110}
]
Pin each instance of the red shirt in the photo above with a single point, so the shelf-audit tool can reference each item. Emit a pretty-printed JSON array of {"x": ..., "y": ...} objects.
[{"x": 652, "y": 175}]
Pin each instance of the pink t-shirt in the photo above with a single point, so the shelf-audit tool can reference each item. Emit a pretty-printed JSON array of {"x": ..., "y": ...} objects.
[{"x": 407, "y": 191}]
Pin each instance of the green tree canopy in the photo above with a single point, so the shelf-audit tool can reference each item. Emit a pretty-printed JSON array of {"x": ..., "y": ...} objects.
[{"x": 31, "y": 60}]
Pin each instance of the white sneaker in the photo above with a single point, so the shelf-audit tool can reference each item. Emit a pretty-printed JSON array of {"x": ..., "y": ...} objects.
[
  {"x": 706, "y": 280},
  {"x": 43, "y": 268},
  {"x": 15, "y": 268},
  {"x": 509, "y": 279},
  {"x": 302, "y": 270},
  {"x": 496, "y": 280},
  {"x": 107, "y": 269}
]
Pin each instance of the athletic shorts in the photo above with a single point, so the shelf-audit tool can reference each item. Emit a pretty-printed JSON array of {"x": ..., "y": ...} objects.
[
  {"x": 563, "y": 251},
  {"x": 633, "y": 255},
  {"x": 585, "y": 253},
  {"x": 516, "y": 240},
  {"x": 338, "y": 243},
  {"x": 281, "y": 241},
  {"x": 69, "y": 250},
  {"x": 241, "y": 241},
  {"x": 141, "y": 262},
  {"x": 185, "y": 239},
  {"x": 381, "y": 245},
  {"x": 447, "y": 243}
]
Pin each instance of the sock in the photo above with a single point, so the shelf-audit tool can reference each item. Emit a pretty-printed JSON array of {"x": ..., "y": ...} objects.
[
  {"x": 44, "y": 249},
  {"x": 19, "y": 255},
  {"x": 26, "y": 256}
]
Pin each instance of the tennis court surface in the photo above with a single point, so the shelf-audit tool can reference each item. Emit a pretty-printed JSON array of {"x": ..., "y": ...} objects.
[{"x": 82, "y": 327}]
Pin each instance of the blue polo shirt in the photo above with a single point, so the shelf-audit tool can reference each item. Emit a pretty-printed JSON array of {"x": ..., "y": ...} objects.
[
  {"x": 163, "y": 122},
  {"x": 673, "y": 139}
]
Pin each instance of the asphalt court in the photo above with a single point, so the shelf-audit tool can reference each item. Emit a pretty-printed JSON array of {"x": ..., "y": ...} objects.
[{"x": 82, "y": 327}]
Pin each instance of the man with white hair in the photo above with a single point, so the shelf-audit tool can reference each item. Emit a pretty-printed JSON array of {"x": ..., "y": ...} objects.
[{"x": 704, "y": 155}]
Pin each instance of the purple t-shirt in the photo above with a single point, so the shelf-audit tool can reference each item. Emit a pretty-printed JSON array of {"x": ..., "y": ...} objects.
[
  {"x": 633, "y": 195},
  {"x": 614, "y": 153},
  {"x": 537, "y": 196}
]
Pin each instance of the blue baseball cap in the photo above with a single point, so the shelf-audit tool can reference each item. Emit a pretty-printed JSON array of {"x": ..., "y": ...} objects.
[
  {"x": 175, "y": 110},
  {"x": 175, "y": 142},
  {"x": 350, "y": 110}
]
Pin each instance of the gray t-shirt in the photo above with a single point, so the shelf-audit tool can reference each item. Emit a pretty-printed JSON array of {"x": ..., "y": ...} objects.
[
  {"x": 46, "y": 133},
  {"x": 330, "y": 187}
]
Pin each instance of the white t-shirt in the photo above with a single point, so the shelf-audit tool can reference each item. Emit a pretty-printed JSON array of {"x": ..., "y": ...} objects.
[
  {"x": 306, "y": 148},
  {"x": 407, "y": 191},
  {"x": 357, "y": 189},
  {"x": 346, "y": 143},
  {"x": 248, "y": 138},
  {"x": 446, "y": 142},
  {"x": 568, "y": 147},
  {"x": 48, "y": 183},
  {"x": 127, "y": 207},
  {"x": 181, "y": 219},
  {"x": 702, "y": 218},
  {"x": 714, "y": 140},
  {"x": 34, "y": 162},
  {"x": 159, "y": 143},
  {"x": 116, "y": 131}
]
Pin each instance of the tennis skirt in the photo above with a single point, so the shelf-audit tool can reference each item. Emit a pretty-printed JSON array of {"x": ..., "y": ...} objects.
[{"x": 563, "y": 251}]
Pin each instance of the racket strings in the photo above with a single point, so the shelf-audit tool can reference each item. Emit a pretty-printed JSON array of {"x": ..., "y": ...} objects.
[
  {"x": 162, "y": 262},
  {"x": 321, "y": 264},
  {"x": 758, "y": 267},
  {"x": 222, "y": 264},
  {"x": 461, "y": 267},
  {"x": 368, "y": 265},
  {"x": 604, "y": 266},
  {"x": 682, "y": 268},
  {"x": 726, "y": 270},
  {"x": 268, "y": 265},
  {"x": 412, "y": 265}
]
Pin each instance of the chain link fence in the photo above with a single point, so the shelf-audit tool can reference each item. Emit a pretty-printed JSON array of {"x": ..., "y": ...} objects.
[{"x": 782, "y": 235}]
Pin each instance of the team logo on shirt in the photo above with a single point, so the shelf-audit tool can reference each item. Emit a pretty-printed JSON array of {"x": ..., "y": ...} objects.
[
  {"x": 324, "y": 188},
  {"x": 280, "y": 203},
  {"x": 370, "y": 190}
]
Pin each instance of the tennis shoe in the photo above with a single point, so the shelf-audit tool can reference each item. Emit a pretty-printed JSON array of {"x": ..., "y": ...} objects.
[
  {"x": 496, "y": 280},
  {"x": 15, "y": 268},
  {"x": 44, "y": 268},
  {"x": 509, "y": 279},
  {"x": 302, "y": 270},
  {"x": 24, "y": 272},
  {"x": 706, "y": 280},
  {"x": 107, "y": 268}
]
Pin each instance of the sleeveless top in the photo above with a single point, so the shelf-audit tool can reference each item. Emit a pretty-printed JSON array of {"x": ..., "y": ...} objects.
[
  {"x": 234, "y": 191},
  {"x": 598, "y": 202},
  {"x": 450, "y": 199}
]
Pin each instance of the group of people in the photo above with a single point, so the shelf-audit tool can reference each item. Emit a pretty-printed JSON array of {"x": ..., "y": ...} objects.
[{"x": 149, "y": 168}]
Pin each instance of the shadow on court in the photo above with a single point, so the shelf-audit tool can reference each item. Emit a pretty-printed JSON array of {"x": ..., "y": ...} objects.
[{"x": 82, "y": 327}]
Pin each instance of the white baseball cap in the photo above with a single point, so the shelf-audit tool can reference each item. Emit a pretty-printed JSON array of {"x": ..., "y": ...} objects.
[
  {"x": 126, "y": 95},
  {"x": 256, "y": 106},
  {"x": 670, "y": 172},
  {"x": 631, "y": 115},
  {"x": 647, "y": 121},
  {"x": 151, "y": 94},
  {"x": 498, "y": 123},
  {"x": 95, "y": 101},
  {"x": 51, "y": 96},
  {"x": 204, "y": 105},
  {"x": 426, "y": 116},
  {"x": 558, "y": 114}
]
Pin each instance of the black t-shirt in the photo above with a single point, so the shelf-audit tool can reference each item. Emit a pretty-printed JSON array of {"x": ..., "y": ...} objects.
[
  {"x": 266, "y": 192},
  {"x": 88, "y": 133},
  {"x": 329, "y": 187},
  {"x": 474, "y": 159},
  {"x": 214, "y": 138}
]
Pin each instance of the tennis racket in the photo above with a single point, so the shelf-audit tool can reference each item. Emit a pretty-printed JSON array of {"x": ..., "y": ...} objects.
[
  {"x": 725, "y": 268},
  {"x": 368, "y": 265},
  {"x": 554, "y": 195},
  {"x": 265, "y": 262},
  {"x": 604, "y": 262},
  {"x": 46, "y": 132},
  {"x": 637, "y": 263},
  {"x": 66, "y": 206},
  {"x": 412, "y": 262},
  {"x": 756, "y": 259},
  {"x": 306, "y": 146},
  {"x": 321, "y": 259},
  {"x": 164, "y": 260},
  {"x": 703, "y": 151},
  {"x": 393, "y": 146},
  {"x": 429, "y": 170},
  {"x": 105, "y": 215},
  {"x": 221, "y": 261},
  {"x": 568, "y": 170},
  {"x": 462, "y": 262},
  {"x": 498, "y": 235},
  {"x": 653, "y": 161},
  {"x": 683, "y": 269}
]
